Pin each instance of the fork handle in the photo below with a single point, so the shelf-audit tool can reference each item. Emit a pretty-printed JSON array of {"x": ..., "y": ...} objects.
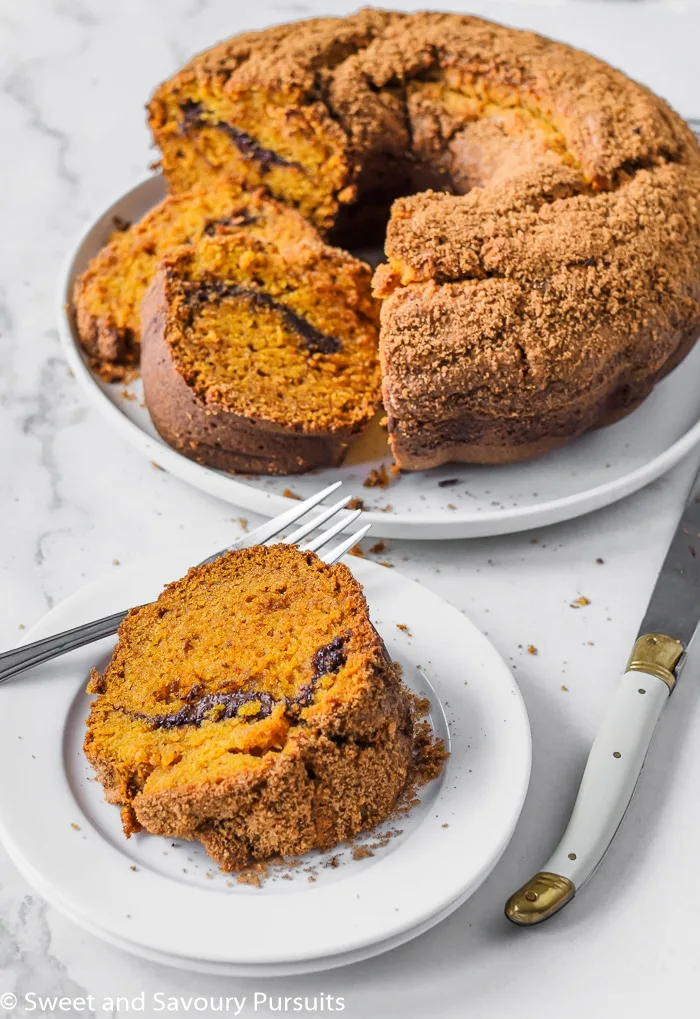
[{"x": 29, "y": 655}]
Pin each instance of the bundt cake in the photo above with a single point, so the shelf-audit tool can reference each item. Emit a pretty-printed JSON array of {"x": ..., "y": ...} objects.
[
  {"x": 108, "y": 295},
  {"x": 260, "y": 359},
  {"x": 253, "y": 707},
  {"x": 544, "y": 249}
]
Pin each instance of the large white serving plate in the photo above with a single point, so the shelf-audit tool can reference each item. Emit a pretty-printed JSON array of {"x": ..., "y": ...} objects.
[
  {"x": 165, "y": 900},
  {"x": 592, "y": 472}
]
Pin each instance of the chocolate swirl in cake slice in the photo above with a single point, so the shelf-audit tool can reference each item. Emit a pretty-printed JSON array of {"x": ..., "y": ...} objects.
[
  {"x": 203, "y": 706},
  {"x": 213, "y": 289},
  {"x": 194, "y": 116}
]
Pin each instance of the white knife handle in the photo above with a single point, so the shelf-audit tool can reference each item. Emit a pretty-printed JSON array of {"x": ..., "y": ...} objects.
[{"x": 611, "y": 774}]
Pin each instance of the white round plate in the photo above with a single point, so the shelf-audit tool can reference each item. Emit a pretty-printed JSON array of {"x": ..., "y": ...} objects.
[
  {"x": 456, "y": 501},
  {"x": 166, "y": 900}
]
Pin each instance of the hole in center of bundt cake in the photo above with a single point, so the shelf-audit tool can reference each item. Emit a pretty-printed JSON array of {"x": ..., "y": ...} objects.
[{"x": 212, "y": 289}]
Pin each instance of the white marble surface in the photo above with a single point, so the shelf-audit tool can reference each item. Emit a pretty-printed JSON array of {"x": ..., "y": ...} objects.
[{"x": 75, "y": 502}]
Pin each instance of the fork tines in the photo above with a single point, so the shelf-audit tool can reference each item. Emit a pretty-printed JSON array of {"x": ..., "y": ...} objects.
[{"x": 279, "y": 524}]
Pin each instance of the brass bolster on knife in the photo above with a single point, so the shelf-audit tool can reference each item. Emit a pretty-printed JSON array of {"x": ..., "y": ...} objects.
[
  {"x": 542, "y": 897},
  {"x": 658, "y": 655}
]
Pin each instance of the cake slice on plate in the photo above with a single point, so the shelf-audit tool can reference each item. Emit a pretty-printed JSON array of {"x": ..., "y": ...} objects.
[
  {"x": 253, "y": 707},
  {"x": 258, "y": 357}
]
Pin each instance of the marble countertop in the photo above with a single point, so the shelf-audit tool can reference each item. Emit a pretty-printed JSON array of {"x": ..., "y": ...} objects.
[{"x": 76, "y": 502}]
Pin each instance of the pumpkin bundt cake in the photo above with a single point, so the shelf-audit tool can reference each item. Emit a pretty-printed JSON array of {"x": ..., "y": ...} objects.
[
  {"x": 260, "y": 359},
  {"x": 108, "y": 295},
  {"x": 544, "y": 252},
  {"x": 253, "y": 707}
]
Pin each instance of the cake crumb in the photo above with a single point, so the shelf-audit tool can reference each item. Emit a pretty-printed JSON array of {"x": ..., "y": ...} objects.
[
  {"x": 565, "y": 688},
  {"x": 448, "y": 482},
  {"x": 133, "y": 867},
  {"x": 115, "y": 562},
  {"x": 532, "y": 650},
  {"x": 74, "y": 826},
  {"x": 378, "y": 547},
  {"x": 289, "y": 494},
  {"x": 404, "y": 629},
  {"x": 357, "y": 550},
  {"x": 361, "y": 852},
  {"x": 600, "y": 561},
  {"x": 253, "y": 875},
  {"x": 157, "y": 466},
  {"x": 377, "y": 478},
  {"x": 383, "y": 562},
  {"x": 445, "y": 825},
  {"x": 355, "y": 504},
  {"x": 333, "y": 862},
  {"x": 580, "y": 602},
  {"x": 386, "y": 509},
  {"x": 243, "y": 523}
]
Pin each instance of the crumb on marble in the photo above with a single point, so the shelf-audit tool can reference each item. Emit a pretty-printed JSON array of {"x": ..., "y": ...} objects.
[{"x": 377, "y": 478}]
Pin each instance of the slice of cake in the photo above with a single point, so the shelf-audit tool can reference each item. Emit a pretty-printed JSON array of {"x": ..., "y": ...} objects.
[
  {"x": 108, "y": 295},
  {"x": 260, "y": 359},
  {"x": 253, "y": 707}
]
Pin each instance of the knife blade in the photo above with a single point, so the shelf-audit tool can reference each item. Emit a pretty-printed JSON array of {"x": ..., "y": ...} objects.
[{"x": 674, "y": 606}]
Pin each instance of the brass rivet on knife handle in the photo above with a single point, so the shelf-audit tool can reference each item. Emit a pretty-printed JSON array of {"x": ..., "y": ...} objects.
[
  {"x": 657, "y": 654},
  {"x": 542, "y": 896}
]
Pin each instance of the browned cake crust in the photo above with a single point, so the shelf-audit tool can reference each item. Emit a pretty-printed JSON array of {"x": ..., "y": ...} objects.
[
  {"x": 253, "y": 707},
  {"x": 552, "y": 276},
  {"x": 273, "y": 393}
]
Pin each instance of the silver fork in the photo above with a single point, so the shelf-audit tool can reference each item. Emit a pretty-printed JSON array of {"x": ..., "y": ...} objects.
[{"x": 29, "y": 655}]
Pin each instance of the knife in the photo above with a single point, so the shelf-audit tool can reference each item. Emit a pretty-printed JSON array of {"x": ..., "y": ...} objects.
[{"x": 617, "y": 756}]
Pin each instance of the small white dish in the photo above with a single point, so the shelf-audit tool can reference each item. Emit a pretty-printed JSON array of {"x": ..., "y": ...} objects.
[
  {"x": 594, "y": 471},
  {"x": 165, "y": 900}
]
